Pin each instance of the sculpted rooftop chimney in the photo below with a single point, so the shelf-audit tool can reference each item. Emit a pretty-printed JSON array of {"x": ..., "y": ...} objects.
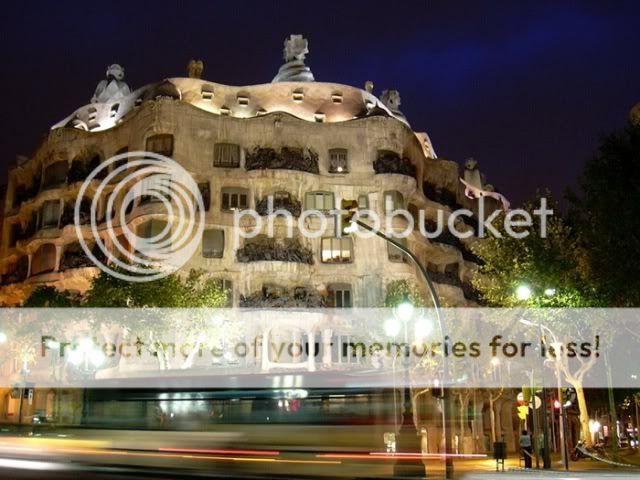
[{"x": 296, "y": 48}]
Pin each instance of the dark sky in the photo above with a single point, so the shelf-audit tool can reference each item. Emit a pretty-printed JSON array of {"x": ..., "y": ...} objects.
[{"x": 526, "y": 89}]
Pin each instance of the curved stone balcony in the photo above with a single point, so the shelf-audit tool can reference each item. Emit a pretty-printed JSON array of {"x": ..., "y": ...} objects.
[
  {"x": 265, "y": 158},
  {"x": 391, "y": 162}
]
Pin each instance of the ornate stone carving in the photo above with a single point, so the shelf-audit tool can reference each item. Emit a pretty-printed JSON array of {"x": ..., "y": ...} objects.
[
  {"x": 474, "y": 183},
  {"x": 279, "y": 297},
  {"x": 472, "y": 174},
  {"x": 263, "y": 158},
  {"x": 195, "y": 69},
  {"x": 391, "y": 162},
  {"x": 391, "y": 100},
  {"x": 290, "y": 204},
  {"x": 267, "y": 249},
  {"x": 113, "y": 87},
  {"x": 296, "y": 48}
]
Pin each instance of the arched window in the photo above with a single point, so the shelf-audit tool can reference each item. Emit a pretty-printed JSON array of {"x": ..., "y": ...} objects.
[
  {"x": 44, "y": 260},
  {"x": 338, "y": 160},
  {"x": 340, "y": 295},
  {"x": 337, "y": 250},
  {"x": 322, "y": 201},
  {"x": 226, "y": 155},
  {"x": 161, "y": 144},
  {"x": 55, "y": 175}
]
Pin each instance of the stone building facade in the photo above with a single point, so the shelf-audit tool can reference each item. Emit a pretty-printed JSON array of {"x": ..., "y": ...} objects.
[{"x": 304, "y": 142}]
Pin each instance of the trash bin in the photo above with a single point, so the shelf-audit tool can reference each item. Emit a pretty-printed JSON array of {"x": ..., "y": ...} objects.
[{"x": 499, "y": 454}]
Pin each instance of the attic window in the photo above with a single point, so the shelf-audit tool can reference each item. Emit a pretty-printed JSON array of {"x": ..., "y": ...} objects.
[
  {"x": 114, "y": 110},
  {"x": 207, "y": 93},
  {"x": 225, "y": 111},
  {"x": 320, "y": 117},
  {"x": 298, "y": 96},
  {"x": 336, "y": 98},
  {"x": 242, "y": 100}
]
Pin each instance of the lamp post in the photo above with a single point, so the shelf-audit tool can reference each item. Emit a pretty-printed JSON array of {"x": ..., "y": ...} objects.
[
  {"x": 404, "y": 432},
  {"x": 87, "y": 357},
  {"x": 564, "y": 456},
  {"x": 409, "y": 441}
]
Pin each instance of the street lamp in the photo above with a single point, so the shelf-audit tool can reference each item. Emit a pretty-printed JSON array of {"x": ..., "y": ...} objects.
[
  {"x": 404, "y": 311},
  {"x": 523, "y": 292},
  {"x": 546, "y": 457},
  {"x": 392, "y": 327},
  {"x": 349, "y": 225},
  {"x": 85, "y": 355},
  {"x": 408, "y": 439}
]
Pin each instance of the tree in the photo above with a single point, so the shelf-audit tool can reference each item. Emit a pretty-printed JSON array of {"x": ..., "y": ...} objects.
[
  {"x": 399, "y": 291},
  {"x": 49, "y": 297},
  {"x": 607, "y": 213},
  {"x": 556, "y": 272},
  {"x": 195, "y": 290}
]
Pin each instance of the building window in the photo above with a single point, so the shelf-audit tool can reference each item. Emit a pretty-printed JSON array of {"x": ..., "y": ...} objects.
[
  {"x": 323, "y": 201},
  {"x": 340, "y": 295},
  {"x": 207, "y": 93},
  {"x": 213, "y": 243},
  {"x": 393, "y": 200},
  {"x": 235, "y": 198},
  {"x": 160, "y": 185},
  {"x": 298, "y": 96},
  {"x": 226, "y": 155},
  {"x": 55, "y": 174},
  {"x": 395, "y": 254},
  {"x": 363, "y": 201},
  {"x": 205, "y": 193},
  {"x": 161, "y": 144},
  {"x": 50, "y": 214},
  {"x": 338, "y": 161},
  {"x": 154, "y": 228},
  {"x": 337, "y": 250},
  {"x": 44, "y": 260}
]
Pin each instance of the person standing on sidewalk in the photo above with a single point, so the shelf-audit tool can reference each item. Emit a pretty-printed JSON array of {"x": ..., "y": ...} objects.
[{"x": 526, "y": 448}]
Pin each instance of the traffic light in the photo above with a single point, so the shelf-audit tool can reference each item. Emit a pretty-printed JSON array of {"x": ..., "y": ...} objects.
[
  {"x": 346, "y": 219},
  {"x": 568, "y": 396},
  {"x": 523, "y": 411}
]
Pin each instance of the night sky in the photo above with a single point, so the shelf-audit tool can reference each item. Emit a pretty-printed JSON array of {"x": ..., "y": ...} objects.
[{"x": 526, "y": 89}]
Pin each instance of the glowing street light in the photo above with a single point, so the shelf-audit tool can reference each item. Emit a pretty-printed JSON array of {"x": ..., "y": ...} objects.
[
  {"x": 3, "y": 337},
  {"x": 523, "y": 292},
  {"x": 550, "y": 292},
  {"x": 422, "y": 329},
  {"x": 404, "y": 311},
  {"x": 392, "y": 327}
]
